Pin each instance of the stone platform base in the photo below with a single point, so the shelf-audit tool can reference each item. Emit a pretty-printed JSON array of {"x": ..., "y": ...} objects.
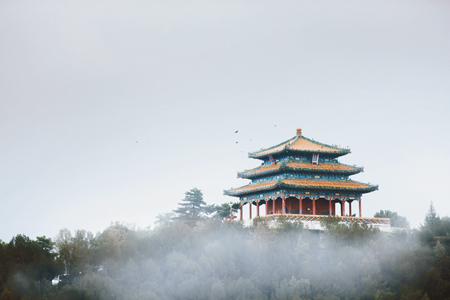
[{"x": 313, "y": 222}]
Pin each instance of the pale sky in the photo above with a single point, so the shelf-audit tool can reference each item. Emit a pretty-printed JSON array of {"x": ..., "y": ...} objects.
[{"x": 111, "y": 110}]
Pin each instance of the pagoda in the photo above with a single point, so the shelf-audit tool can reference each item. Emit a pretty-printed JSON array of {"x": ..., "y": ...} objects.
[{"x": 302, "y": 179}]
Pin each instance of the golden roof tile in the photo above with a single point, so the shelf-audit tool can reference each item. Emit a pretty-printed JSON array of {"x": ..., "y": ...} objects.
[
  {"x": 254, "y": 187},
  {"x": 310, "y": 166},
  {"x": 304, "y": 183},
  {"x": 263, "y": 169},
  {"x": 274, "y": 149},
  {"x": 300, "y": 166},
  {"x": 304, "y": 144},
  {"x": 326, "y": 183},
  {"x": 301, "y": 144}
]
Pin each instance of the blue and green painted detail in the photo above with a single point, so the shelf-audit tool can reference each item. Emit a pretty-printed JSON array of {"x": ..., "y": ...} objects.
[{"x": 379, "y": 221}]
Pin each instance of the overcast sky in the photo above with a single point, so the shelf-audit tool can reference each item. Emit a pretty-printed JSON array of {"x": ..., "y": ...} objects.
[{"x": 111, "y": 110}]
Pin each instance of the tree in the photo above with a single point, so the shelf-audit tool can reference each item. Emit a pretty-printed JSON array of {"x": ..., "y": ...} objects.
[
  {"x": 432, "y": 220},
  {"x": 439, "y": 253},
  {"x": 285, "y": 226},
  {"x": 293, "y": 289},
  {"x": 329, "y": 222},
  {"x": 192, "y": 207},
  {"x": 75, "y": 252},
  {"x": 353, "y": 233},
  {"x": 223, "y": 211},
  {"x": 164, "y": 220},
  {"x": 33, "y": 258},
  {"x": 433, "y": 226},
  {"x": 116, "y": 245},
  {"x": 27, "y": 266},
  {"x": 396, "y": 220},
  {"x": 48, "y": 266}
]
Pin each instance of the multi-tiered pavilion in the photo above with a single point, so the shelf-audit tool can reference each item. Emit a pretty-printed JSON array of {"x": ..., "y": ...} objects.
[{"x": 302, "y": 179}]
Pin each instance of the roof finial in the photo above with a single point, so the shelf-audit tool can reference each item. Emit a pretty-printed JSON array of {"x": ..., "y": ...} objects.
[{"x": 299, "y": 132}]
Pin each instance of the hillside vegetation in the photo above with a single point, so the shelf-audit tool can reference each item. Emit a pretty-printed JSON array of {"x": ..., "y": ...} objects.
[{"x": 213, "y": 259}]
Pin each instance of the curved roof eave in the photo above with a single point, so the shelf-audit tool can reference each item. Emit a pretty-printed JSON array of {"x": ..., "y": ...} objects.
[
  {"x": 268, "y": 169},
  {"x": 367, "y": 188},
  {"x": 299, "y": 141},
  {"x": 363, "y": 188}
]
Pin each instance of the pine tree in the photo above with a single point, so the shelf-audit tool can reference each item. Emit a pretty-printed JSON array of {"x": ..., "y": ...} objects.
[
  {"x": 431, "y": 227},
  {"x": 432, "y": 220},
  {"x": 396, "y": 220},
  {"x": 223, "y": 211},
  {"x": 192, "y": 207}
]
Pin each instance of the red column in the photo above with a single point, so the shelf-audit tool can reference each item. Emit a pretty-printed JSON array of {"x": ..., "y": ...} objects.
[
  {"x": 250, "y": 209},
  {"x": 240, "y": 212},
  {"x": 342, "y": 207},
  {"x": 300, "y": 209},
  {"x": 350, "y": 208},
  {"x": 257, "y": 208},
  {"x": 273, "y": 205},
  {"x": 314, "y": 206},
  {"x": 283, "y": 205},
  {"x": 330, "y": 210},
  {"x": 360, "y": 215},
  {"x": 267, "y": 207}
]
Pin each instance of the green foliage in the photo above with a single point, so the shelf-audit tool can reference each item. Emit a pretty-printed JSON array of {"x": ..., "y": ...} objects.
[
  {"x": 212, "y": 259},
  {"x": 396, "y": 220},
  {"x": 193, "y": 208},
  {"x": 164, "y": 219},
  {"x": 349, "y": 234},
  {"x": 223, "y": 211},
  {"x": 439, "y": 252},
  {"x": 259, "y": 222},
  {"x": 27, "y": 267},
  {"x": 329, "y": 222},
  {"x": 74, "y": 252},
  {"x": 293, "y": 289},
  {"x": 435, "y": 229},
  {"x": 100, "y": 287},
  {"x": 285, "y": 226},
  {"x": 432, "y": 220}
]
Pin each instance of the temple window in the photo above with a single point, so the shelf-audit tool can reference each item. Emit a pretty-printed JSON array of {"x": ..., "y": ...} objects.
[{"x": 315, "y": 159}]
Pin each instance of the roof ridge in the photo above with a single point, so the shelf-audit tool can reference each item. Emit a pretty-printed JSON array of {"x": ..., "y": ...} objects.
[
  {"x": 323, "y": 144},
  {"x": 291, "y": 145},
  {"x": 278, "y": 145}
]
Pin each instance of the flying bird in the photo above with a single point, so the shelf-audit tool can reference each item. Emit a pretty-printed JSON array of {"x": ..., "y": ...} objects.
[{"x": 236, "y": 131}]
